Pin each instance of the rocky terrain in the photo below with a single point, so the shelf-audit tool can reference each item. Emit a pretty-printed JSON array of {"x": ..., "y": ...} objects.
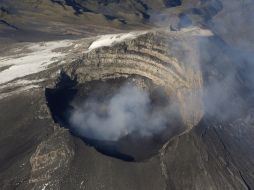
[{"x": 56, "y": 54}]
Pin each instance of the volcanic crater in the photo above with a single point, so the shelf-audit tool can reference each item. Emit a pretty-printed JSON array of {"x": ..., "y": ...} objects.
[
  {"x": 149, "y": 71},
  {"x": 132, "y": 146}
]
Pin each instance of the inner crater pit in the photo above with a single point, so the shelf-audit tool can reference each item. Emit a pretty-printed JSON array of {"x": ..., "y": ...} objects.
[{"x": 129, "y": 118}]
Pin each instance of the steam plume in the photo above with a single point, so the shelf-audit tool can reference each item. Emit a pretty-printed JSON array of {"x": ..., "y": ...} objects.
[{"x": 128, "y": 111}]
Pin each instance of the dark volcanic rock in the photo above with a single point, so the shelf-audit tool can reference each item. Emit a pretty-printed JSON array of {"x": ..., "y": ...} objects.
[{"x": 172, "y": 3}]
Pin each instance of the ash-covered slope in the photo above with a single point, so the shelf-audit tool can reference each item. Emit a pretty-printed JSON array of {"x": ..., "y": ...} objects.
[
  {"x": 60, "y": 19},
  {"x": 207, "y": 74},
  {"x": 214, "y": 150}
]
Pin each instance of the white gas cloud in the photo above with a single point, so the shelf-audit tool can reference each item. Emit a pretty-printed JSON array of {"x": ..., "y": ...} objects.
[{"x": 128, "y": 111}]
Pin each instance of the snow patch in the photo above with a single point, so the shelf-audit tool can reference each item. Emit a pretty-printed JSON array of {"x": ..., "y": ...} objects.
[
  {"x": 111, "y": 39},
  {"x": 39, "y": 57}
]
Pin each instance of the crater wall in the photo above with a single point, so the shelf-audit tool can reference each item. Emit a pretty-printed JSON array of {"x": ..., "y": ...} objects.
[{"x": 152, "y": 56}]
